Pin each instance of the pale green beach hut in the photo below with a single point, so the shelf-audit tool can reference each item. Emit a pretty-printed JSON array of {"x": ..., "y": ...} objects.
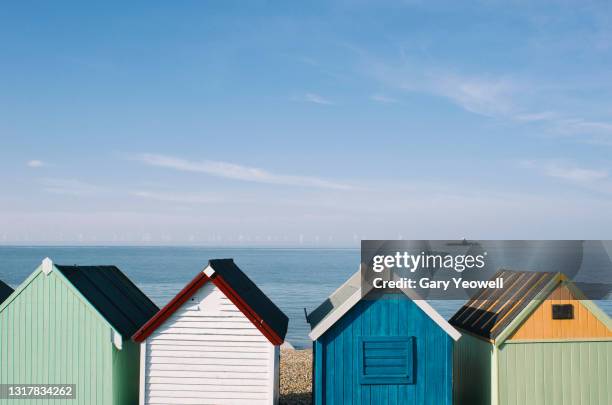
[
  {"x": 537, "y": 341},
  {"x": 72, "y": 325}
]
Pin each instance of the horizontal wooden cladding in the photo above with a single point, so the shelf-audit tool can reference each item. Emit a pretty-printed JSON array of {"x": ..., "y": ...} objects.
[
  {"x": 208, "y": 322},
  {"x": 206, "y": 372},
  {"x": 198, "y": 357},
  {"x": 540, "y": 324},
  {"x": 225, "y": 366},
  {"x": 178, "y": 392},
  {"x": 206, "y": 389},
  {"x": 232, "y": 382},
  {"x": 169, "y": 400},
  {"x": 203, "y": 361},
  {"x": 177, "y": 354},
  {"x": 211, "y": 338},
  {"x": 219, "y": 345},
  {"x": 221, "y": 330},
  {"x": 194, "y": 314}
]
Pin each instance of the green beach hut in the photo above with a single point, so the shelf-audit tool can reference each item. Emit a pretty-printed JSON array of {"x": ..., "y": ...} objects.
[
  {"x": 72, "y": 325},
  {"x": 537, "y": 341}
]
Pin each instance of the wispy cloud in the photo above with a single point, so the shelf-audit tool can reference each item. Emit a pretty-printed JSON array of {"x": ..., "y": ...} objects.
[
  {"x": 566, "y": 171},
  {"x": 478, "y": 94},
  {"x": 317, "y": 99},
  {"x": 502, "y": 97},
  {"x": 173, "y": 197},
  {"x": 35, "y": 163},
  {"x": 70, "y": 187},
  {"x": 381, "y": 98},
  {"x": 484, "y": 96},
  {"x": 536, "y": 116},
  {"x": 236, "y": 172}
]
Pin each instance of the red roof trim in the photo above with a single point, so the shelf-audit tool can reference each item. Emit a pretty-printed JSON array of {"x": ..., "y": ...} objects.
[
  {"x": 152, "y": 324},
  {"x": 258, "y": 321},
  {"x": 194, "y": 285}
]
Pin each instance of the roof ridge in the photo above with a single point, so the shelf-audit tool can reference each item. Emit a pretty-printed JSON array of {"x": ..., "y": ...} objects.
[{"x": 249, "y": 299}]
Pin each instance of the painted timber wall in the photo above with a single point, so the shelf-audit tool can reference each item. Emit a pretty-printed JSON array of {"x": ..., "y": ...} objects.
[
  {"x": 555, "y": 373},
  {"x": 213, "y": 352},
  {"x": 473, "y": 370},
  {"x": 337, "y": 366},
  {"x": 544, "y": 361},
  {"x": 50, "y": 335}
]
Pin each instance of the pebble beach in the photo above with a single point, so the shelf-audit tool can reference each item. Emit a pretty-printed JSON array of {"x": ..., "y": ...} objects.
[{"x": 296, "y": 377}]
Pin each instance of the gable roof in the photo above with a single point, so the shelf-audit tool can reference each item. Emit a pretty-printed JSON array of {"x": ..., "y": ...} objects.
[
  {"x": 118, "y": 302},
  {"x": 112, "y": 294},
  {"x": 236, "y": 286},
  {"x": 493, "y": 314},
  {"x": 5, "y": 291},
  {"x": 349, "y": 294}
]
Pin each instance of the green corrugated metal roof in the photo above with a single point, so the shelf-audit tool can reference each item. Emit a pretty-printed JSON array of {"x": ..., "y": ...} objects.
[
  {"x": 488, "y": 312},
  {"x": 5, "y": 291},
  {"x": 113, "y": 295}
]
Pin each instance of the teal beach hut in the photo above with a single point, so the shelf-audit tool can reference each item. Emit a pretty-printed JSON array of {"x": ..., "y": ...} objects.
[
  {"x": 380, "y": 348},
  {"x": 71, "y": 325}
]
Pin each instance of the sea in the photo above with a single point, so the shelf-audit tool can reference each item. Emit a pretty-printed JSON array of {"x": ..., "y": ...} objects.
[{"x": 296, "y": 279}]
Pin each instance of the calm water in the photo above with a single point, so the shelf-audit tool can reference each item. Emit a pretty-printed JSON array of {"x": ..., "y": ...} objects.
[{"x": 293, "y": 278}]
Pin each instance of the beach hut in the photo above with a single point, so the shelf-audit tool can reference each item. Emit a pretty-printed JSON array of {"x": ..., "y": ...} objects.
[
  {"x": 537, "y": 341},
  {"x": 71, "y": 325},
  {"x": 5, "y": 291},
  {"x": 217, "y": 341},
  {"x": 380, "y": 347}
]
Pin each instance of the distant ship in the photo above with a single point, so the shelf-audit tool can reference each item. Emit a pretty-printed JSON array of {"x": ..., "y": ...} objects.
[{"x": 463, "y": 242}]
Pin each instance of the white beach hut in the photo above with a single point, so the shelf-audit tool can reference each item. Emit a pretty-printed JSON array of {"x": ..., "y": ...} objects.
[{"x": 216, "y": 342}]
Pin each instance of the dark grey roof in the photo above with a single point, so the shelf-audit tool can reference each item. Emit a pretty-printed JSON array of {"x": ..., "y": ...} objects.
[
  {"x": 252, "y": 295},
  {"x": 113, "y": 295},
  {"x": 5, "y": 291}
]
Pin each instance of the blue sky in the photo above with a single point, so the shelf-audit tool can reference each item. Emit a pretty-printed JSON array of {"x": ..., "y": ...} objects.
[{"x": 304, "y": 123}]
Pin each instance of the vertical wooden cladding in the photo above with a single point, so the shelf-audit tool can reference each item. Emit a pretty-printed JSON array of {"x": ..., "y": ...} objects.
[
  {"x": 48, "y": 335},
  {"x": 472, "y": 377},
  {"x": 540, "y": 325},
  {"x": 555, "y": 373},
  {"x": 544, "y": 361},
  {"x": 336, "y": 355}
]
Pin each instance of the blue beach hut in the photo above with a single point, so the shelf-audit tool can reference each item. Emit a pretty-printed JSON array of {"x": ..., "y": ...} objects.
[{"x": 378, "y": 347}]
